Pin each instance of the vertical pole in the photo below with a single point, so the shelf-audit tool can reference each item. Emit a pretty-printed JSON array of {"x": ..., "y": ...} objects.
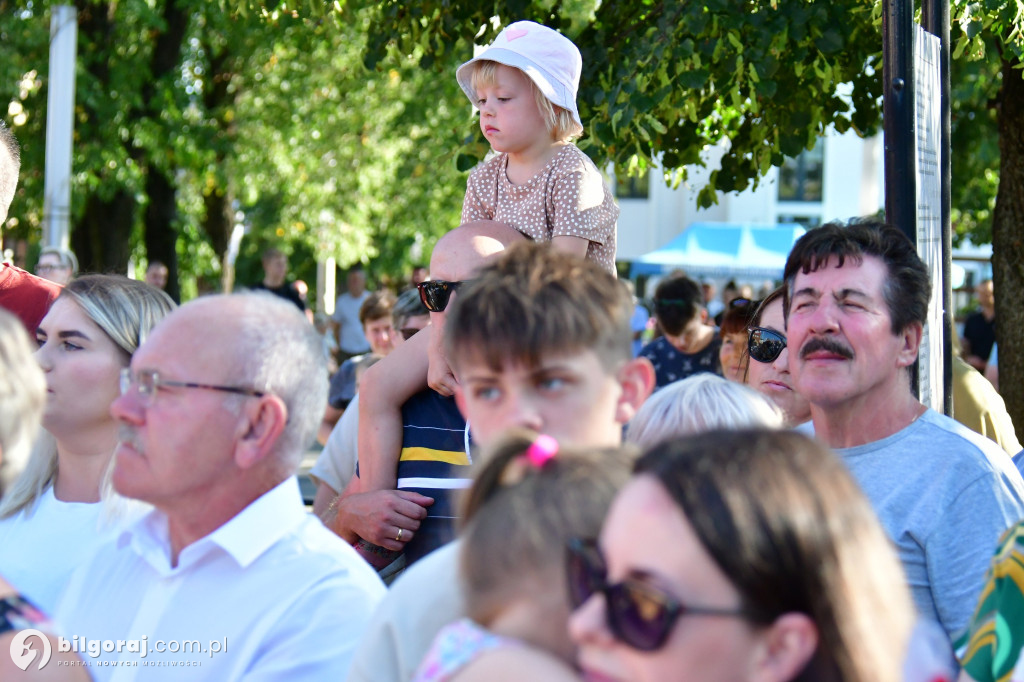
[
  {"x": 60, "y": 107},
  {"x": 898, "y": 115},
  {"x": 900, "y": 129},
  {"x": 935, "y": 17}
]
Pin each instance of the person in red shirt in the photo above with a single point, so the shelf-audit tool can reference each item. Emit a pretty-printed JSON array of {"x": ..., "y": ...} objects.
[{"x": 22, "y": 293}]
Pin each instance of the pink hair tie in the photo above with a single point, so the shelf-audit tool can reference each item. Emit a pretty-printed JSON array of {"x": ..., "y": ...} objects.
[{"x": 541, "y": 450}]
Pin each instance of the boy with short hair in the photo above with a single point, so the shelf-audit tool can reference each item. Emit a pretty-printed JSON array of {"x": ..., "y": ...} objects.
[
  {"x": 375, "y": 318},
  {"x": 539, "y": 339},
  {"x": 689, "y": 344},
  {"x": 544, "y": 342}
]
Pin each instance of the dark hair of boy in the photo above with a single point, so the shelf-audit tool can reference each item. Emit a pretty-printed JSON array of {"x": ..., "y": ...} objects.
[
  {"x": 534, "y": 301},
  {"x": 677, "y": 300},
  {"x": 376, "y": 306}
]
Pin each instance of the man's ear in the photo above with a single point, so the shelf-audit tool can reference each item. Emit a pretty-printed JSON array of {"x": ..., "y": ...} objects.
[
  {"x": 637, "y": 380},
  {"x": 911, "y": 344},
  {"x": 785, "y": 648},
  {"x": 260, "y": 426}
]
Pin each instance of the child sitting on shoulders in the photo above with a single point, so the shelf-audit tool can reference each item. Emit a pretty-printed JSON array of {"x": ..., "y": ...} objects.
[
  {"x": 539, "y": 182},
  {"x": 525, "y": 504}
]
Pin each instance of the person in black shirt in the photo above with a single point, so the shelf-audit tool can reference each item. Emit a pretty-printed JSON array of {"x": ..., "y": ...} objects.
[
  {"x": 980, "y": 329},
  {"x": 275, "y": 268}
]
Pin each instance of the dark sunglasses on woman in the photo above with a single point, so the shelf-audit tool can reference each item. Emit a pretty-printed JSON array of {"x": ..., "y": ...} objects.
[
  {"x": 639, "y": 614},
  {"x": 765, "y": 345},
  {"x": 435, "y": 293}
]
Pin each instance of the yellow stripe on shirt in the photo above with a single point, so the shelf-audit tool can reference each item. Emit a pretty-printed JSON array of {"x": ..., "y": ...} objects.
[{"x": 432, "y": 455}]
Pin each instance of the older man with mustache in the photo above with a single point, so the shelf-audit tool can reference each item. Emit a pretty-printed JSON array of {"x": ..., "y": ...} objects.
[{"x": 857, "y": 299}]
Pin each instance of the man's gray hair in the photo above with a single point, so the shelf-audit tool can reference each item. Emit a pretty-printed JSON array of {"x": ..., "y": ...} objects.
[{"x": 280, "y": 352}]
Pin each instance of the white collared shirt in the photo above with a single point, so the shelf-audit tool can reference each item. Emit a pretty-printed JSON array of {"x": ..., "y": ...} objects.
[{"x": 282, "y": 597}]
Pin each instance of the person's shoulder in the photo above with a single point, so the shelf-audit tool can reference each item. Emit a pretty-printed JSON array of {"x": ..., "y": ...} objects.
[
  {"x": 655, "y": 347},
  {"x": 976, "y": 318},
  {"x": 572, "y": 161},
  {"x": 321, "y": 555},
  {"x": 430, "y": 405},
  {"x": 714, "y": 345},
  {"x": 489, "y": 167},
  {"x": 959, "y": 444},
  {"x": 572, "y": 156},
  {"x": 514, "y": 663},
  {"x": 423, "y": 576},
  {"x": 12, "y": 275},
  {"x": 26, "y": 296},
  {"x": 937, "y": 426}
]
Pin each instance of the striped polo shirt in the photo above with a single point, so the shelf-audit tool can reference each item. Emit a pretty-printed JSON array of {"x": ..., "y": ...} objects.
[{"x": 435, "y": 462}]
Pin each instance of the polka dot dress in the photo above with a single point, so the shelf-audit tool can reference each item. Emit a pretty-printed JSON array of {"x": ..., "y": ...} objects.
[{"x": 569, "y": 197}]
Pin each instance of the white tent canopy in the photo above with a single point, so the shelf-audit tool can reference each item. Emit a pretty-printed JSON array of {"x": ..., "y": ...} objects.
[{"x": 724, "y": 250}]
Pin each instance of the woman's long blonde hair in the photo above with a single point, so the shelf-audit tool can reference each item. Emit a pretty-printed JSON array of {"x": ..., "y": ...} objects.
[{"x": 126, "y": 310}]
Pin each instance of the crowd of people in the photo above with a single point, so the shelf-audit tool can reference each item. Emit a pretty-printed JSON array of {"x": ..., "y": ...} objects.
[{"x": 509, "y": 488}]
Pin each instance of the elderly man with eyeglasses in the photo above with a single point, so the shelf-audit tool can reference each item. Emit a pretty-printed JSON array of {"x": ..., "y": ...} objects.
[{"x": 216, "y": 410}]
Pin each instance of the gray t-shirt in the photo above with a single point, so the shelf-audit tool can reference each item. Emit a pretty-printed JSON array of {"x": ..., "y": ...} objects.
[{"x": 944, "y": 495}]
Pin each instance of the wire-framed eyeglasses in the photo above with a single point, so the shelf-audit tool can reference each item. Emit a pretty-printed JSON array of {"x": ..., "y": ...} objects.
[{"x": 148, "y": 382}]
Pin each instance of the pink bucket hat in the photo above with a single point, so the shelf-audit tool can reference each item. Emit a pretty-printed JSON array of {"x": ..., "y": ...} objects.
[{"x": 550, "y": 59}]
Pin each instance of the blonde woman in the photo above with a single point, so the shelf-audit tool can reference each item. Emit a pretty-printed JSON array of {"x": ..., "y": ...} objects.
[{"x": 51, "y": 518}]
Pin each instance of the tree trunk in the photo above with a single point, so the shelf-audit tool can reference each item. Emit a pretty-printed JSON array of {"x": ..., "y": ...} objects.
[
  {"x": 101, "y": 237},
  {"x": 1008, "y": 243},
  {"x": 218, "y": 222},
  {"x": 161, "y": 234}
]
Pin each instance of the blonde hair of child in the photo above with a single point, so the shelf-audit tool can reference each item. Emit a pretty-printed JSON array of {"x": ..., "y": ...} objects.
[
  {"x": 518, "y": 517},
  {"x": 558, "y": 121}
]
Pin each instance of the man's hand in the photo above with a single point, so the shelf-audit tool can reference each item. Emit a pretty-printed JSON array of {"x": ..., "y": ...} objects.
[{"x": 378, "y": 516}]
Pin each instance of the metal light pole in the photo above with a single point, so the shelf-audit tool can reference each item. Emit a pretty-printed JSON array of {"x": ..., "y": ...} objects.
[{"x": 60, "y": 106}]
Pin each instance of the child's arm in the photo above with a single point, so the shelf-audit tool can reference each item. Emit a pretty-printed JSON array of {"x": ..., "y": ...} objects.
[
  {"x": 384, "y": 389},
  {"x": 582, "y": 208},
  {"x": 577, "y": 246},
  {"x": 439, "y": 375}
]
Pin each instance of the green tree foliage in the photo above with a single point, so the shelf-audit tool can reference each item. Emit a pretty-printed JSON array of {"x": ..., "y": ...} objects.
[
  {"x": 665, "y": 80},
  {"x": 195, "y": 117},
  {"x": 336, "y": 128}
]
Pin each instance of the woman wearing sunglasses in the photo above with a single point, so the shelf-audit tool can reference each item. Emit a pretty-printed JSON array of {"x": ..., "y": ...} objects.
[
  {"x": 768, "y": 370},
  {"x": 733, "y": 331},
  {"x": 740, "y": 555}
]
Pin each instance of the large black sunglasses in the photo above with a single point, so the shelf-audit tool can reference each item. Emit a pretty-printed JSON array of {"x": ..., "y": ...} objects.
[
  {"x": 765, "y": 345},
  {"x": 435, "y": 293},
  {"x": 639, "y": 614}
]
